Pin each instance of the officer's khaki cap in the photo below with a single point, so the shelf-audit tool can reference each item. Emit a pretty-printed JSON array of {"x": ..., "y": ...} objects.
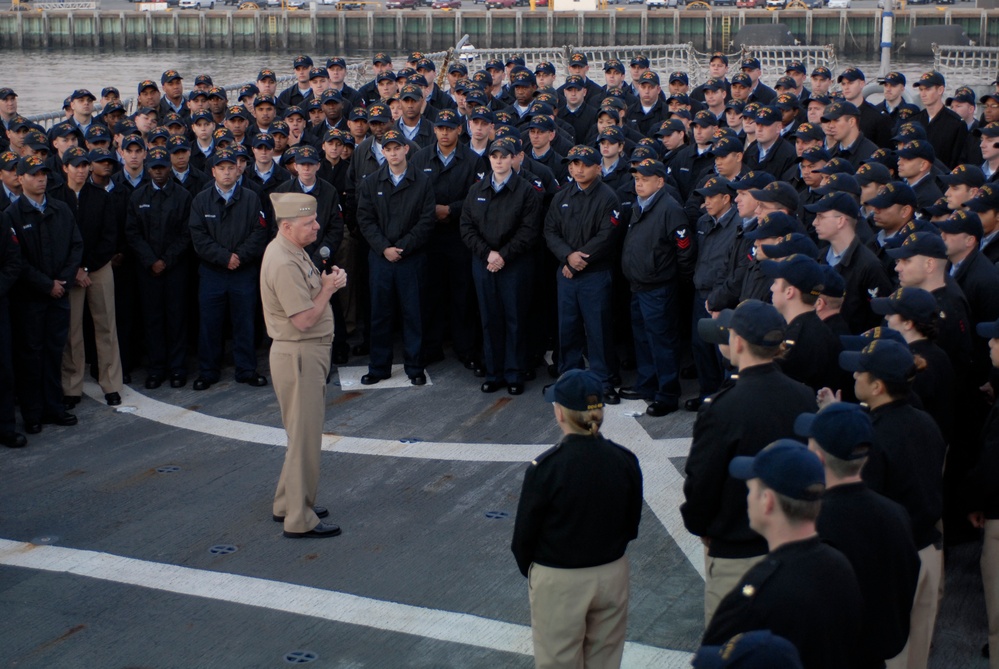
[{"x": 293, "y": 205}]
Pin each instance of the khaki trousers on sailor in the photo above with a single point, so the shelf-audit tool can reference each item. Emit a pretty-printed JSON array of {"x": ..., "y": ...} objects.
[
  {"x": 579, "y": 616},
  {"x": 720, "y": 576},
  {"x": 100, "y": 297},
  {"x": 922, "y": 620},
  {"x": 298, "y": 370}
]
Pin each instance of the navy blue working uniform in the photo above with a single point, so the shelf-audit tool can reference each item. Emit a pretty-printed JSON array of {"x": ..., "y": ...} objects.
[
  {"x": 505, "y": 218},
  {"x": 401, "y": 216},
  {"x": 220, "y": 227},
  {"x": 11, "y": 265},
  {"x": 52, "y": 248},
  {"x": 659, "y": 250},
  {"x": 156, "y": 227},
  {"x": 449, "y": 260},
  {"x": 584, "y": 221}
]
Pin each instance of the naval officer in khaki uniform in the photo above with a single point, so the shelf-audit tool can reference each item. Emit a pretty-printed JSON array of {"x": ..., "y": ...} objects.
[{"x": 296, "y": 302}]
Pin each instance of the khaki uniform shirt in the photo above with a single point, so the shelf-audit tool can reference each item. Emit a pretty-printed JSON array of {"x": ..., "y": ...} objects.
[{"x": 289, "y": 281}]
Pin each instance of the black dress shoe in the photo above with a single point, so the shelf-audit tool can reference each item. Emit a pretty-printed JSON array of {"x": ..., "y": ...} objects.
[
  {"x": 32, "y": 428},
  {"x": 255, "y": 380},
  {"x": 71, "y": 400},
  {"x": 63, "y": 419},
  {"x": 490, "y": 386},
  {"x": 611, "y": 397},
  {"x": 153, "y": 382},
  {"x": 14, "y": 439},
  {"x": 320, "y": 511},
  {"x": 693, "y": 404},
  {"x": 320, "y": 531},
  {"x": 371, "y": 379},
  {"x": 629, "y": 393},
  {"x": 360, "y": 349},
  {"x": 515, "y": 388},
  {"x": 658, "y": 409},
  {"x": 113, "y": 399},
  {"x": 201, "y": 383},
  {"x": 418, "y": 379},
  {"x": 178, "y": 380}
]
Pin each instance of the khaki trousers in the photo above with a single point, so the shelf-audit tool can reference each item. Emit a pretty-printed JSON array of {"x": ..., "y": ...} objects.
[
  {"x": 926, "y": 603},
  {"x": 720, "y": 576},
  {"x": 990, "y": 583},
  {"x": 100, "y": 297},
  {"x": 298, "y": 371},
  {"x": 579, "y": 616}
]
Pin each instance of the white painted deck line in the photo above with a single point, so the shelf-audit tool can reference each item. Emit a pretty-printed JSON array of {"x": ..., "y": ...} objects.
[
  {"x": 447, "y": 626},
  {"x": 663, "y": 483}
]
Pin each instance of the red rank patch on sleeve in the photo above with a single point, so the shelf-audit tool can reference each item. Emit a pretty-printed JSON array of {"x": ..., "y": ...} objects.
[{"x": 682, "y": 239}]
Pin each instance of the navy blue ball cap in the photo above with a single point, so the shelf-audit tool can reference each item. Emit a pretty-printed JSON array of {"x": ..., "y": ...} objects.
[
  {"x": 379, "y": 113},
  {"x": 223, "y": 156},
  {"x": 919, "y": 148},
  {"x": 542, "y": 122},
  {"x": 577, "y": 390},
  {"x": 843, "y": 203},
  {"x": 585, "y": 154},
  {"x": 177, "y": 143},
  {"x": 639, "y": 61},
  {"x": 393, "y": 137},
  {"x": 757, "y": 322},
  {"x": 960, "y": 221},
  {"x": 816, "y": 154},
  {"x": 262, "y": 139},
  {"x": 130, "y": 140},
  {"x": 986, "y": 199},
  {"x": 31, "y": 165},
  {"x": 642, "y": 153},
  {"x": 726, "y": 146},
  {"x": 774, "y": 224},
  {"x": 801, "y": 271},
  {"x": 715, "y": 186},
  {"x": 649, "y": 168},
  {"x": 989, "y": 330},
  {"x": 75, "y": 156},
  {"x": 851, "y": 74},
  {"x": 840, "y": 182},
  {"x": 991, "y": 130},
  {"x": 650, "y": 77},
  {"x": 761, "y": 649},
  {"x": 791, "y": 244},
  {"x": 962, "y": 94},
  {"x": 883, "y": 359},
  {"x": 965, "y": 175},
  {"x": 893, "y": 78},
  {"x": 912, "y": 304},
  {"x": 779, "y": 192},
  {"x": 100, "y": 154},
  {"x": 932, "y": 78},
  {"x": 483, "y": 114},
  {"x": 750, "y": 64},
  {"x": 892, "y": 193},
  {"x": 870, "y": 173},
  {"x": 306, "y": 61},
  {"x": 754, "y": 180},
  {"x": 835, "y": 284},
  {"x": 669, "y": 126},
  {"x": 810, "y": 131},
  {"x": 838, "y": 110},
  {"x": 711, "y": 331},
  {"x": 787, "y": 467},
  {"x": 158, "y": 157},
  {"x": 842, "y": 429},
  {"x": 920, "y": 244},
  {"x": 768, "y": 116},
  {"x": 447, "y": 118},
  {"x": 859, "y": 342},
  {"x": 837, "y": 165},
  {"x": 705, "y": 119}
]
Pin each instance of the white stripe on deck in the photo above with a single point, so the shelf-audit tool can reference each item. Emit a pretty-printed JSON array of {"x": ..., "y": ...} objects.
[
  {"x": 663, "y": 483},
  {"x": 340, "y": 607}
]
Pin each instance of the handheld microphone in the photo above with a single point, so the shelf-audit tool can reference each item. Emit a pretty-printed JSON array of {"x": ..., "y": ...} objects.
[{"x": 324, "y": 253}]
